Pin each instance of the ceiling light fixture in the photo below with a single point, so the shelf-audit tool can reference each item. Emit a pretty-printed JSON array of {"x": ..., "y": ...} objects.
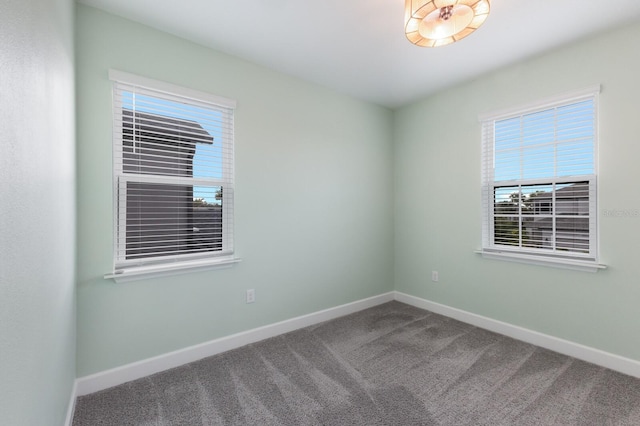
[{"x": 433, "y": 23}]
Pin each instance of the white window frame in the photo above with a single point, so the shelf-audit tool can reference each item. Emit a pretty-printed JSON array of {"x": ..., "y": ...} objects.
[
  {"x": 490, "y": 249},
  {"x": 134, "y": 269}
]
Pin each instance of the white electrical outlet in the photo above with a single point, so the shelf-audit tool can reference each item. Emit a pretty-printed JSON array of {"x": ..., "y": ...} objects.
[
  {"x": 251, "y": 295},
  {"x": 434, "y": 276}
]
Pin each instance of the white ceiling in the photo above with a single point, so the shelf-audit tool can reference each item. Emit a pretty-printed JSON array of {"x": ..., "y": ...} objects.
[{"x": 358, "y": 47}]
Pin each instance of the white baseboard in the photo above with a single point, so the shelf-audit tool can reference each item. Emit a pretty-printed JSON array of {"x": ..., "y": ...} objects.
[
  {"x": 576, "y": 350},
  {"x": 71, "y": 408},
  {"x": 106, "y": 379},
  {"x": 137, "y": 370}
]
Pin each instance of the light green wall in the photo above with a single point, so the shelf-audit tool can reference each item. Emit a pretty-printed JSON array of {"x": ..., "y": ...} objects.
[
  {"x": 37, "y": 220},
  {"x": 437, "y": 189},
  {"x": 316, "y": 173},
  {"x": 314, "y": 204}
]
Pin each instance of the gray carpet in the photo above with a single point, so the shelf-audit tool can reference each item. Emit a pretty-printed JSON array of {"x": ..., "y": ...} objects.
[{"x": 389, "y": 365}]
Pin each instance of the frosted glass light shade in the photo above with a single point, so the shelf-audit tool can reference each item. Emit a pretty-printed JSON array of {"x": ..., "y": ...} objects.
[{"x": 432, "y": 23}]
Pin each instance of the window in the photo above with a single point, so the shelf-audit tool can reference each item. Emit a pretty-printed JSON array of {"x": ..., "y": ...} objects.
[
  {"x": 539, "y": 180},
  {"x": 173, "y": 177}
]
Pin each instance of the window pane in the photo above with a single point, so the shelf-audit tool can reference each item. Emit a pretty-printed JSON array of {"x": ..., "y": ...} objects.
[
  {"x": 575, "y": 158},
  {"x": 507, "y": 134},
  {"x": 207, "y": 218},
  {"x": 538, "y": 162},
  {"x": 169, "y": 219},
  {"x": 543, "y": 216},
  {"x": 537, "y": 232},
  {"x": 507, "y": 165},
  {"x": 507, "y": 231},
  {"x": 506, "y": 200},
  {"x": 573, "y": 199},
  {"x": 572, "y": 234},
  {"x": 538, "y": 128},
  {"x": 162, "y": 137},
  {"x": 537, "y": 199},
  {"x": 575, "y": 121}
]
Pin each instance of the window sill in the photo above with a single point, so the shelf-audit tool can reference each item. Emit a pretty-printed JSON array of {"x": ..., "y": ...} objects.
[
  {"x": 159, "y": 271},
  {"x": 554, "y": 262}
]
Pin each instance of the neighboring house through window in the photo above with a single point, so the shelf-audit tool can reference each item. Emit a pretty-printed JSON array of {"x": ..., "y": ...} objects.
[
  {"x": 173, "y": 177},
  {"x": 539, "y": 185}
]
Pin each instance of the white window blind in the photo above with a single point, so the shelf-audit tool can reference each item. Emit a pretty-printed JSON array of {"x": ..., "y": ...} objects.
[
  {"x": 173, "y": 175},
  {"x": 539, "y": 186}
]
